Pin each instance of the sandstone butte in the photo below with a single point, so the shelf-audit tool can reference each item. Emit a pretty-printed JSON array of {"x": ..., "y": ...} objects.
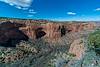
[{"x": 35, "y": 29}]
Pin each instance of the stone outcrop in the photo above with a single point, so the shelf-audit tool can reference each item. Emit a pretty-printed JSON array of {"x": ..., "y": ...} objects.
[{"x": 78, "y": 49}]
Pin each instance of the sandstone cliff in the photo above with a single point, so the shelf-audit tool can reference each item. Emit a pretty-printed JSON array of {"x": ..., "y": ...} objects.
[{"x": 35, "y": 29}]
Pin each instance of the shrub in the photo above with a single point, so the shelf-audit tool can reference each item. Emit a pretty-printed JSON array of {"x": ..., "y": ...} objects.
[
  {"x": 94, "y": 41},
  {"x": 60, "y": 59}
]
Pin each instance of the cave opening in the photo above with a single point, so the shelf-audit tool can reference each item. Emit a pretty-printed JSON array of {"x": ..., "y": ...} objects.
[
  {"x": 39, "y": 33},
  {"x": 11, "y": 35},
  {"x": 14, "y": 38},
  {"x": 63, "y": 30}
]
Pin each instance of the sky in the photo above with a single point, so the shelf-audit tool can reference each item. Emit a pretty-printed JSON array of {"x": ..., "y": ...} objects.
[{"x": 61, "y": 10}]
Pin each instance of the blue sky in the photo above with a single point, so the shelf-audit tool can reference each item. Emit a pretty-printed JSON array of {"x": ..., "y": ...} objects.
[{"x": 63, "y": 10}]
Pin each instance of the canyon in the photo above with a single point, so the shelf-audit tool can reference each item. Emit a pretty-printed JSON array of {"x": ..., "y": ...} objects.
[
  {"x": 37, "y": 43},
  {"x": 35, "y": 29}
]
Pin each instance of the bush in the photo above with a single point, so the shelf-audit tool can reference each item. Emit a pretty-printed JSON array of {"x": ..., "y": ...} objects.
[
  {"x": 60, "y": 59},
  {"x": 94, "y": 41}
]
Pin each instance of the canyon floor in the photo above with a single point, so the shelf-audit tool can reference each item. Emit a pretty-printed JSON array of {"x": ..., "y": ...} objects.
[{"x": 69, "y": 50}]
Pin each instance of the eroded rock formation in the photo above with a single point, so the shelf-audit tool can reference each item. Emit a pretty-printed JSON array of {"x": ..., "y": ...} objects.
[
  {"x": 34, "y": 29},
  {"x": 77, "y": 48},
  {"x": 53, "y": 31}
]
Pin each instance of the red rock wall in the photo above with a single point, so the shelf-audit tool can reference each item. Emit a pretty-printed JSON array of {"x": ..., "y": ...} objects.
[{"x": 52, "y": 29}]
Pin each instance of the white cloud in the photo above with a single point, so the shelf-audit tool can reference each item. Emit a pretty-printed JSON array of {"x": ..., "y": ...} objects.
[
  {"x": 20, "y": 4},
  {"x": 71, "y": 13},
  {"x": 97, "y": 9},
  {"x": 31, "y": 11},
  {"x": 18, "y": 7}
]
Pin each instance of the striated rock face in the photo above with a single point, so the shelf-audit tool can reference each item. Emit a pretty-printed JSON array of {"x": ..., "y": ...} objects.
[
  {"x": 54, "y": 31},
  {"x": 77, "y": 27},
  {"x": 34, "y": 29}
]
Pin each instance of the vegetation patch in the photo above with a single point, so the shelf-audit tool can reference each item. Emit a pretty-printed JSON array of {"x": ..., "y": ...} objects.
[{"x": 94, "y": 41}]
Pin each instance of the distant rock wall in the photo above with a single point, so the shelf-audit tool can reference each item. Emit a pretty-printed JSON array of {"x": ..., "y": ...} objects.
[
  {"x": 53, "y": 31},
  {"x": 35, "y": 29}
]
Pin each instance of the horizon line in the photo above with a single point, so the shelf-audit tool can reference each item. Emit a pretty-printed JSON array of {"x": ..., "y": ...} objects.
[{"x": 49, "y": 19}]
